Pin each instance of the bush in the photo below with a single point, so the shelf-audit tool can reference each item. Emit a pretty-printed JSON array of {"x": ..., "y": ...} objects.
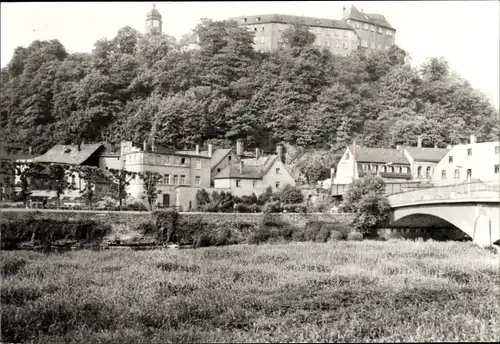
[
  {"x": 294, "y": 208},
  {"x": 166, "y": 225},
  {"x": 272, "y": 207},
  {"x": 337, "y": 236},
  {"x": 290, "y": 195},
  {"x": 355, "y": 236},
  {"x": 261, "y": 235}
]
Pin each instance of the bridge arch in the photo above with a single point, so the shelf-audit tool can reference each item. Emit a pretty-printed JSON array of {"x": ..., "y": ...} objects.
[{"x": 480, "y": 222}]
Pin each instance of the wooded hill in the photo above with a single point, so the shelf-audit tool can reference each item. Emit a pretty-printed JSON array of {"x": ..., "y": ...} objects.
[{"x": 137, "y": 87}]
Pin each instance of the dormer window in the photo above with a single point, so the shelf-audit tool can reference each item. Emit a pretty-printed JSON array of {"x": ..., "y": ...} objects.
[{"x": 257, "y": 19}]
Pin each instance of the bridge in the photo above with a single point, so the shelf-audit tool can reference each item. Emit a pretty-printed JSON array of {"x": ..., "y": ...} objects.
[{"x": 474, "y": 208}]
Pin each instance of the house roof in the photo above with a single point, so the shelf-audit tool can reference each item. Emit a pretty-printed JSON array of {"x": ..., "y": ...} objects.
[
  {"x": 218, "y": 155},
  {"x": 252, "y": 168},
  {"x": 69, "y": 154},
  {"x": 379, "y": 155},
  {"x": 371, "y": 18},
  {"x": 289, "y": 19},
  {"x": 427, "y": 154}
]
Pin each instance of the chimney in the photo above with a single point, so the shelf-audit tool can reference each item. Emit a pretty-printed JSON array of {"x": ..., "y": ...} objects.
[
  {"x": 144, "y": 146},
  {"x": 419, "y": 141},
  {"x": 257, "y": 153},
  {"x": 197, "y": 149},
  {"x": 210, "y": 150},
  {"x": 279, "y": 151},
  {"x": 239, "y": 148},
  {"x": 241, "y": 166},
  {"x": 472, "y": 139}
]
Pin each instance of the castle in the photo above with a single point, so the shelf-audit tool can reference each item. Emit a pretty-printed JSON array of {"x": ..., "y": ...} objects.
[{"x": 356, "y": 30}]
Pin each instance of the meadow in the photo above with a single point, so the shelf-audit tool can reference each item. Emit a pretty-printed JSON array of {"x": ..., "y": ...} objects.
[{"x": 368, "y": 291}]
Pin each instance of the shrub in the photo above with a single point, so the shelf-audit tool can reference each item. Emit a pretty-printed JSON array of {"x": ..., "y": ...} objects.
[
  {"x": 323, "y": 234},
  {"x": 272, "y": 207},
  {"x": 242, "y": 208},
  {"x": 337, "y": 236},
  {"x": 355, "y": 236},
  {"x": 166, "y": 225},
  {"x": 294, "y": 208},
  {"x": 290, "y": 195},
  {"x": 261, "y": 235}
]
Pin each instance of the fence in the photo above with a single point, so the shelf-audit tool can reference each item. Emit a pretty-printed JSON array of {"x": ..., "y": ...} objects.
[{"x": 475, "y": 190}]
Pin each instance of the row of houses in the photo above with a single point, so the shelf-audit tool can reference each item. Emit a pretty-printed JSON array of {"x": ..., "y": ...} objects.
[
  {"x": 183, "y": 172},
  {"x": 240, "y": 172},
  {"x": 405, "y": 168}
]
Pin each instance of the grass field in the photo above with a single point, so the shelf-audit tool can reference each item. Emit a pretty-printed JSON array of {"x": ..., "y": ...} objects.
[{"x": 302, "y": 292}]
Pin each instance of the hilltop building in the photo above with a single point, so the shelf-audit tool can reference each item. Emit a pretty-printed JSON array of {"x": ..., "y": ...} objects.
[
  {"x": 355, "y": 30},
  {"x": 154, "y": 25}
]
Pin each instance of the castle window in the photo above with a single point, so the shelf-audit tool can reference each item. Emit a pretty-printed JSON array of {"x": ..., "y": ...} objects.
[
  {"x": 379, "y": 30},
  {"x": 166, "y": 179},
  {"x": 419, "y": 171},
  {"x": 365, "y": 26},
  {"x": 443, "y": 174},
  {"x": 176, "y": 179},
  {"x": 257, "y": 19},
  {"x": 262, "y": 28},
  {"x": 450, "y": 159},
  {"x": 238, "y": 183},
  {"x": 254, "y": 183},
  {"x": 372, "y": 28},
  {"x": 183, "y": 161},
  {"x": 388, "y": 32},
  {"x": 469, "y": 173},
  {"x": 469, "y": 151},
  {"x": 497, "y": 168},
  {"x": 457, "y": 174},
  {"x": 277, "y": 185},
  {"x": 197, "y": 180},
  {"x": 183, "y": 179},
  {"x": 198, "y": 164},
  {"x": 428, "y": 172},
  {"x": 278, "y": 171}
]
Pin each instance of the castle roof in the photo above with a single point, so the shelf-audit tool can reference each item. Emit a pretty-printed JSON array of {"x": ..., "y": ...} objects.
[
  {"x": 154, "y": 13},
  {"x": 370, "y": 18},
  {"x": 289, "y": 19}
]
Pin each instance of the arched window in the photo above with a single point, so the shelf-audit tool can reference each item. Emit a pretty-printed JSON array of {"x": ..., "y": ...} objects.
[
  {"x": 428, "y": 172},
  {"x": 419, "y": 171}
]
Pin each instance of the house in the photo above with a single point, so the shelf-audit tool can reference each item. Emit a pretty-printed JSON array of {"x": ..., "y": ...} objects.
[
  {"x": 73, "y": 155},
  {"x": 390, "y": 164},
  {"x": 253, "y": 175},
  {"x": 469, "y": 162},
  {"x": 423, "y": 160},
  {"x": 180, "y": 170}
]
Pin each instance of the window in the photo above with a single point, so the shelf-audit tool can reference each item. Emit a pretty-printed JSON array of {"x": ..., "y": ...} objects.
[
  {"x": 157, "y": 159},
  {"x": 183, "y": 161},
  {"x": 197, "y": 180},
  {"x": 347, "y": 156},
  {"x": 365, "y": 167},
  {"x": 457, "y": 174},
  {"x": 390, "y": 169},
  {"x": 357, "y": 26},
  {"x": 379, "y": 30},
  {"x": 278, "y": 170},
  {"x": 373, "y": 168},
  {"x": 345, "y": 33},
  {"x": 428, "y": 172},
  {"x": 277, "y": 185},
  {"x": 372, "y": 28},
  {"x": 419, "y": 171},
  {"x": 166, "y": 179},
  {"x": 326, "y": 32},
  {"x": 336, "y": 32},
  {"x": 218, "y": 170},
  {"x": 336, "y": 44},
  {"x": 73, "y": 179},
  {"x": 405, "y": 169},
  {"x": 450, "y": 159},
  {"x": 257, "y": 19},
  {"x": 344, "y": 45},
  {"x": 383, "y": 168},
  {"x": 497, "y": 149},
  {"x": 443, "y": 174},
  {"x": 469, "y": 151},
  {"x": 365, "y": 26},
  {"x": 469, "y": 173},
  {"x": 255, "y": 28},
  {"x": 167, "y": 160},
  {"x": 254, "y": 183},
  {"x": 388, "y": 32},
  {"x": 183, "y": 179},
  {"x": 198, "y": 164},
  {"x": 262, "y": 28},
  {"x": 244, "y": 20},
  {"x": 238, "y": 183},
  {"x": 176, "y": 180},
  {"x": 262, "y": 39},
  {"x": 229, "y": 158},
  {"x": 364, "y": 44},
  {"x": 497, "y": 167},
  {"x": 398, "y": 169}
]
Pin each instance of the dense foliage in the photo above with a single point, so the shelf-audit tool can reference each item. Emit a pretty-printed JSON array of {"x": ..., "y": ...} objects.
[
  {"x": 138, "y": 87},
  {"x": 365, "y": 198}
]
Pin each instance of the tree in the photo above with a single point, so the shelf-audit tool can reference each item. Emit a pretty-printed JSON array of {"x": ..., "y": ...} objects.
[
  {"x": 91, "y": 176},
  {"x": 298, "y": 35},
  {"x": 150, "y": 180},
  {"x": 120, "y": 179},
  {"x": 202, "y": 198},
  {"x": 26, "y": 173},
  {"x": 291, "y": 195},
  {"x": 365, "y": 199},
  {"x": 58, "y": 180}
]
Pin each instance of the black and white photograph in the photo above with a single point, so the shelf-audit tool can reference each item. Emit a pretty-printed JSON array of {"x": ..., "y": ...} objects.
[{"x": 250, "y": 172}]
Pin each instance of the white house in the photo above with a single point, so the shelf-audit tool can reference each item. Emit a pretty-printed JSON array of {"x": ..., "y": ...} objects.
[{"x": 469, "y": 162}]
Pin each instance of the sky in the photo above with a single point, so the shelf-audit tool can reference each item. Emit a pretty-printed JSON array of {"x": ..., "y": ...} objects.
[{"x": 465, "y": 33}]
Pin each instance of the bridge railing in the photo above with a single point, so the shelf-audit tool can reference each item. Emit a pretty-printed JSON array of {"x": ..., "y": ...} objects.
[{"x": 476, "y": 190}]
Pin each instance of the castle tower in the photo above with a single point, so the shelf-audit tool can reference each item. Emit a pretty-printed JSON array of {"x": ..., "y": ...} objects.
[{"x": 153, "y": 22}]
